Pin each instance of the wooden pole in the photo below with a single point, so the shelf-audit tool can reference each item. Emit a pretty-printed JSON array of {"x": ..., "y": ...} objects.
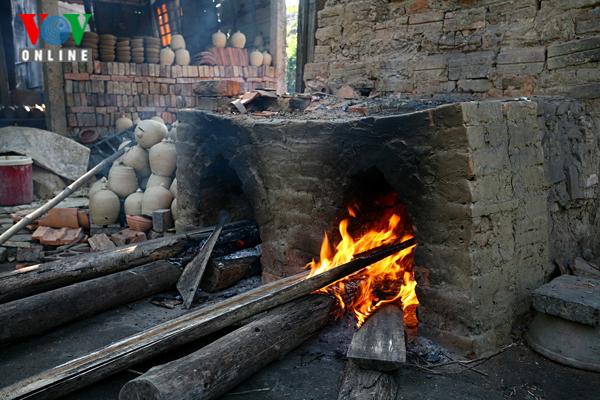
[
  {"x": 36, "y": 314},
  {"x": 127, "y": 352},
  {"x": 29, "y": 218},
  {"x": 217, "y": 368},
  {"x": 39, "y": 278}
]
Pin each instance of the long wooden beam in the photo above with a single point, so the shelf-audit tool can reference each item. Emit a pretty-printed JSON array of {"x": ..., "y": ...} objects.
[
  {"x": 42, "y": 277},
  {"x": 72, "y": 375}
]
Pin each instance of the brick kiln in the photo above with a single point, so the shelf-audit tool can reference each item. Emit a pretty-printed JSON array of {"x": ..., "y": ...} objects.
[{"x": 492, "y": 188}]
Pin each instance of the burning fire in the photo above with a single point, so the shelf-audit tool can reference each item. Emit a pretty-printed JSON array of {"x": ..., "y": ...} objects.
[{"x": 387, "y": 281}]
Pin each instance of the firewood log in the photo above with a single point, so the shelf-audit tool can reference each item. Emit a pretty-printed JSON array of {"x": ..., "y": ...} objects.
[{"x": 365, "y": 384}]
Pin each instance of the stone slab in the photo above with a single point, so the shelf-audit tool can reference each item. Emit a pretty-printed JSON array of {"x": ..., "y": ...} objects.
[{"x": 570, "y": 297}]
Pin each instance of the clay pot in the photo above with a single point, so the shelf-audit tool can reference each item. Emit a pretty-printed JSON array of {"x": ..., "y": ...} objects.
[
  {"x": 173, "y": 188},
  {"x": 267, "y": 58},
  {"x": 157, "y": 180},
  {"x": 238, "y": 40},
  {"x": 219, "y": 39},
  {"x": 96, "y": 186},
  {"x": 163, "y": 158},
  {"x": 133, "y": 203},
  {"x": 156, "y": 198},
  {"x": 259, "y": 41},
  {"x": 158, "y": 119},
  {"x": 167, "y": 56},
  {"x": 177, "y": 42},
  {"x": 122, "y": 124},
  {"x": 138, "y": 223},
  {"x": 104, "y": 207},
  {"x": 173, "y": 134},
  {"x": 149, "y": 132},
  {"x": 137, "y": 158},
  {"x": 174, "y": 209},
  {"x": 182, "y": 57},
  {"x": 256, "y": 58},
  {"x": 122, "y": 179}
]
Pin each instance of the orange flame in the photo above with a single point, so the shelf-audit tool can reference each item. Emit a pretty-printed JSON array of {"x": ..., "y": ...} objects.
[{"x": 386, "y": 281}]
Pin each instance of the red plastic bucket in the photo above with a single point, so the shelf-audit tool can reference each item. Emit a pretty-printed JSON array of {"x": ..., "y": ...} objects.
[{"x": 16, "y": 184}]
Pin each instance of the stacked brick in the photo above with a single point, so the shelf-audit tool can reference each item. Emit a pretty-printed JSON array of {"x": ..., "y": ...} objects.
[
  {"x": 490, "y": 48},
  {"x": 98, "y": 93}
]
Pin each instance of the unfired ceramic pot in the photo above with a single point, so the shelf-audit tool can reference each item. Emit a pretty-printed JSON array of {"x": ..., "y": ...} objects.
[
  {"x": 122, "y": 124},
  {"x": 173, "y": 188},
  {"x": 157, "y": 180},
  {"x": 149, "y": 132},
  {"x": 137, "y": 158},
  {"x": 267, "y": 58},
  {"x": 163, "y": 158},
  {"x": 156, "y": 198},
  {"x": 104, "y": 207},
  {"x": 259, "y": 41},
  {"x": 177, "y": 42},
  {"x": 182, "y": 57},
  {"x": 133, "y": 203},
  {"x": 174, "y": 209},
  {"x": 100, "y": 184},
  {"x": 256, "y": 58},
  {"x": 158, "y": 119},
  {"x": 238, "y": 40},
  {"x": 219, "y": 39},
  {"x": 122, "y": 179},
  {"x": 167, "y": 56}
]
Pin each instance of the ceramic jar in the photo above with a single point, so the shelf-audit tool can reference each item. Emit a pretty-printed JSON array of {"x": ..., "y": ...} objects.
[
  {"x": 259, "y": 41},
  {"x": 267, "y": 58},
  {"x": 157, "y": 180},
  {"x": 256, "y": 58},
  {"x": 174, "y": 209},
  {"x": 219, "y": 39},
  {"x": 238, "y": 40},
  {"x": 173, "y": 188},
  {"x": 156, "y": 198},
  {"x": 182, "y": 57},
  {"x": 122, "y": 124},
  {"x": 149, "y": 132},
  {"x": 177, "y": 42},
  {"x": 137, "y": 158},
  {"x": 133, "y": 203},
  {"x": 98, "y": 185},
  {"x": 158, "y": 119},
  {"x": 167, "y": 56},
  {"x": 104, "y": 207},
  {"x": 163, "y": 158},
  {"x": 122, "y": 179}
]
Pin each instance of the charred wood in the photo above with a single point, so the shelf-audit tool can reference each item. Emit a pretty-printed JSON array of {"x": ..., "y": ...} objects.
[
  {"x": 365, "y": 384},
  {"x": 217, "y": 368}
]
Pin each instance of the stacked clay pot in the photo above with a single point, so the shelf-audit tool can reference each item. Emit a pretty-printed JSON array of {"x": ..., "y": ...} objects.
[
  {"x": 90, "y": 41},
  {"x": 137, "y": 49},
  {"x": 123, "y": 50},
  {"x": 152, "y": 49},
  {"x": 149, "y": 164},
  {"x": 108, "y": 45},
  {"x": 104, "y": 206}
]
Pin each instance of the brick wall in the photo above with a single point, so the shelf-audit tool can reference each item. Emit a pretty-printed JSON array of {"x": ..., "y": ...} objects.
[
  {"x": 488, "y": 47},
  {"x": 98, "y": 93}
]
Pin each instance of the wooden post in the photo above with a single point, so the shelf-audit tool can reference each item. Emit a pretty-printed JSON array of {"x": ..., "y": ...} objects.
[
  {"x": 72, "y": 375},
  {"x": 217, "y": 368},
  {"x": 278, "y": 45},
  {"x": 36, "y": 314},
  {"x": 38, "y": 278}
]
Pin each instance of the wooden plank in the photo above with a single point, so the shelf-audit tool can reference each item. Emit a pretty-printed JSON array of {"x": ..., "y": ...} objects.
[
  {"x": 74, "y": 374},
  {"x": 217, "y": 368},
  {"x": 37, "y": 314},
  {"x": 188, "y": 282},
  {"x": 379, "y": 344},
  {"x": 42, "y": 277}
]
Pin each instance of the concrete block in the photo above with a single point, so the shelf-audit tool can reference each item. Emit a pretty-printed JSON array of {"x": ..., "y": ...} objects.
[{"x": 572, "y": 298}]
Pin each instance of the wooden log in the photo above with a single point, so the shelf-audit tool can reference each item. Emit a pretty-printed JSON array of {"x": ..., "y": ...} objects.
[
  {"x": 380, "y": 344},
  {"x": 41, "y": 277},
  {"x": 217, "y": 368},
  {"x": 36, "y": 314},
  {"x": 29, "y": 218},
  {"x": 223, "y": 272},
  {"x": 72, "y": 375},
  {"x": 364, "y": 384}
]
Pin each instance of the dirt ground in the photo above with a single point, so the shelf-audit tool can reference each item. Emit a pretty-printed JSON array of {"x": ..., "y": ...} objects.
[{"x": 311, "y": 372}]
